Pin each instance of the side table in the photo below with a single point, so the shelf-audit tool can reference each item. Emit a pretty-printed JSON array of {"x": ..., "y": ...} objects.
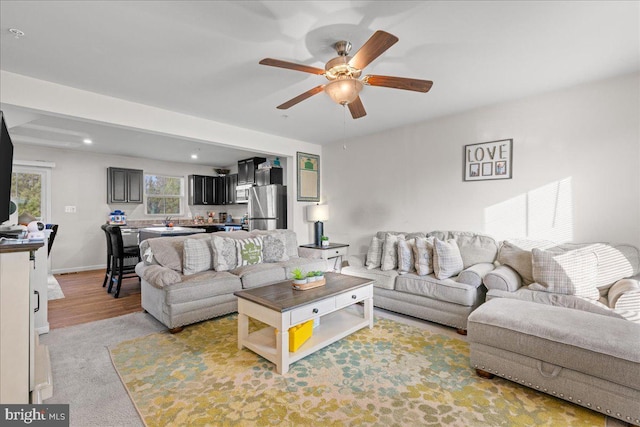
[{"x": 334, "y": 252}]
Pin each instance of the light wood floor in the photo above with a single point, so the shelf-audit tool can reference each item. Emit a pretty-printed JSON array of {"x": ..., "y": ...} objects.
[{"x": 85, "y": 300}]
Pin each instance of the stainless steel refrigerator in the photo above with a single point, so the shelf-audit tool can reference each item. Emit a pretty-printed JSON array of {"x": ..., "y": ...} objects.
[{"x": 268, "y": 207}]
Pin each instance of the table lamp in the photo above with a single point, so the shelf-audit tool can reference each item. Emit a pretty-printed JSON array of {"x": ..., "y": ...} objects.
[{"x": 318, "y": 213}]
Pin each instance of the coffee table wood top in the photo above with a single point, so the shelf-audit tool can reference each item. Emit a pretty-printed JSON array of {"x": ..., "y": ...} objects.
[{"x": 283, "y": 297}]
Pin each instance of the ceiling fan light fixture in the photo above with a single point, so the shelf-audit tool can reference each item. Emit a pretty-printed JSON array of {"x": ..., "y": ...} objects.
[{"x": 343, "y": 91}]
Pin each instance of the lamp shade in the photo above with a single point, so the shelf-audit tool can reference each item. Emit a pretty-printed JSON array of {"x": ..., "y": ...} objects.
[
  {"x": 343, "y": 91},
  {"x": 318, "y": 213}
]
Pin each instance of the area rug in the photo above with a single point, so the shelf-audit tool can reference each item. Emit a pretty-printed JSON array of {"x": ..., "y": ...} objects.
[
  {"x": 54, "y": 291},
  {"x": 393, "y": 374}
]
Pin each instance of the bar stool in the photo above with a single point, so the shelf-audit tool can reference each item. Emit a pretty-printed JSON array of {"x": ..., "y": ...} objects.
[
  {"x": 109, "y": 255},
  {"x": 123, "y": 259}
]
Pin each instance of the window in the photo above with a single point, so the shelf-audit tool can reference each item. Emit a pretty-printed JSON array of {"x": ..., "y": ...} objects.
[
  {"x": 30, "y": 189},
  {"x": 163, "y": 194}
]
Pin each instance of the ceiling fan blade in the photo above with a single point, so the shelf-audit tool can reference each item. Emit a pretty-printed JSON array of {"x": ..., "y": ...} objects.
[
  {"x": 291, "y": 66},
  {"x": 398, "y": 83},
  {"x": 308, "y": 94},
  {"x": 357, "y": 109},
  {"x": 374, "y": 47}
]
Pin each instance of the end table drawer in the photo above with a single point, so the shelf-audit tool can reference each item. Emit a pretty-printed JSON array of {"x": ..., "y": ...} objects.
[
  {"x": 312, "y": 310},
  {"x": 336, "y": 252},
  {"x": 353, "y": 296}
]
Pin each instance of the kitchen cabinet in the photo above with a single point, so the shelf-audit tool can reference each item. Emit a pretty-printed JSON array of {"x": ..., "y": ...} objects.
[
  {"x": 247, "y": 170},
  {"x": 124, "y": 185},
  {"x": 269, "y": 176},
  {"x": 231, "y": 182},
  {"x": 220, "y": 190},
  {"x": 202, "y": 190}
]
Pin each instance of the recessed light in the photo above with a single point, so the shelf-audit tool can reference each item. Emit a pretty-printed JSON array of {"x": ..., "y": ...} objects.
[
  {"x": 194, "y": 156},
  {"x": 87, "y": 141},
  {"x": 16, "y": 32}
]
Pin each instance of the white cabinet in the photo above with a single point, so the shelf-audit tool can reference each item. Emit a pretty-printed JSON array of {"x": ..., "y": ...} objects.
[{"x": 25, "y": 372}]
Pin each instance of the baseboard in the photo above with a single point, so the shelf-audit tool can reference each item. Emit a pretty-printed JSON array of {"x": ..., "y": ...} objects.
[{"x": 78, "y": 269}]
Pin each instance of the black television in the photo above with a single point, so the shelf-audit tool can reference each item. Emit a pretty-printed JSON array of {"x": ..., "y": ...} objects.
[{"x": 6, "y": 165}]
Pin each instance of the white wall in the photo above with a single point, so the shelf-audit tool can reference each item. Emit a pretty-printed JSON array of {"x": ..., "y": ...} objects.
[{"x": 576, "y": 171}]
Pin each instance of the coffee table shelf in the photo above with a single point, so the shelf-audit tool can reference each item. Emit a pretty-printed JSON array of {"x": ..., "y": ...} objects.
[{"x": 333, "y": 327}]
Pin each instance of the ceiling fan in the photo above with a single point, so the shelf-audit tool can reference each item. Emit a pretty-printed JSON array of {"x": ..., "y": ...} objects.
[{"x": 343, "y": 73}]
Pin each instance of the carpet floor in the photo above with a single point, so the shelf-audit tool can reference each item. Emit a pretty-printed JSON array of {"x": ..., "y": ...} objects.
[{"x": 392, "y": 375}]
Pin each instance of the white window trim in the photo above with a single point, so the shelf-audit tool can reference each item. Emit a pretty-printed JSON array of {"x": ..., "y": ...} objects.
[
  {"x": 181, "y": 196},
  {"x": 44, "y": 168}
]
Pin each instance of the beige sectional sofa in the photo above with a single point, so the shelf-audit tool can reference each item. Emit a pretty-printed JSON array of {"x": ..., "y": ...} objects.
[
  {"x": 564, "y": 320},
  {"x": 187, "y": 279},
  {"x": 445, "y": 293}
]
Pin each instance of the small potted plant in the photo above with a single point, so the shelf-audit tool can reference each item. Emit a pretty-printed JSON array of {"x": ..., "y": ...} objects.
[
  {"x": 319, "y": 275},
  {"x": 324, "y": 240},
  {"x": 311, "y": 276},
  {"x": 299, "y": 278}
]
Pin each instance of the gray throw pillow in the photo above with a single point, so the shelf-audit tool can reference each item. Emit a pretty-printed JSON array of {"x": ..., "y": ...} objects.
[
  {"x": 374, "y": 254},
  {"x": 406, "y": 263},
  {"x": 571, "y": 273},
  {"x": 197, "y": 256},
  {"x": 390, "y": 252},
  {"x": 423, "y": 254},
  {"x": 225, "y": 255},
  {"x": 274, "y": 248}
]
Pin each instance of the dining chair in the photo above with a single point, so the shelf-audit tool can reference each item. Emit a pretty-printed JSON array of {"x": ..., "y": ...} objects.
[
  {"x": 123, "y": 259},
  {"x": 52, "y": 236},
  {"x": 107, "y": 273}
]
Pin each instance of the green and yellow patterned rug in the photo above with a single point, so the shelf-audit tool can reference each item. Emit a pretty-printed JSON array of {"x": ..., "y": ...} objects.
[{"x": 392, "y": 375}]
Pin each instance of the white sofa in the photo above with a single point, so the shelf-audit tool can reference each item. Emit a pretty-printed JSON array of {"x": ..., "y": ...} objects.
[
  {"x": 184, "y": 281},
  {"x": 447, "y": 301}
]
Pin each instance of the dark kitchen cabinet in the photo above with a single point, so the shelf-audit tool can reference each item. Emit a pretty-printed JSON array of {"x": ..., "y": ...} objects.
[
  {"x": 202, "y": 190},
  {"x": 220, "y": 195},
  {"x": 247, "y": 170},
  {"x": 124, "y": 185},
  {"x": 269, "y": 176},
  {"x": 231, "y": 182}
]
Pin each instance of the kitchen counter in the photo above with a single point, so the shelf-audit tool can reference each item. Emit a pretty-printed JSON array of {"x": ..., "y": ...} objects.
[{"x": 150, "y": 232}]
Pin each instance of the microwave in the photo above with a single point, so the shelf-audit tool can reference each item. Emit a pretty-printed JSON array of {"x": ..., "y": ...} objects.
[{"x": 242, "y": 193}]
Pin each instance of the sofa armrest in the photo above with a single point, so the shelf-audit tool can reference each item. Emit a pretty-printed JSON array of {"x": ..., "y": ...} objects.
[
  {"x": 157, "y": 276},
  {"x": 474, "y": 274},
  {"x": 625, "y": 295},
  {"x": 503, "y": 278},
  {"x": 356, "y": 260}
]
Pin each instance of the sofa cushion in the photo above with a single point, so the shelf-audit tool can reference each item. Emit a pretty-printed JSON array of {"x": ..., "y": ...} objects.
[
  {"x": 442, "y": 290},
  {"x": 249, "y": 251},
  {"x": 290, "y": 237},
  {"x": 381, "y": 279},
  {"x": 197, "y": 256},
  {"x": 274, "y": 247},
  {"x": 475, "y": 248},
  {"x": 423, "y": 254},
  {"x": 157, "y": 275},
  {"x": 389, "y": 259},
  {"x": 406, "y": 263},
  {"x": 374, "y": 254},
  {"x": 447, "y": 261},
  {"x": 225, "y": 254},
  {"x": 167, "y": 251},
  {"x": 202, "y": 285},
  {"x": 255, "y": 275},
  {"x": 570, "y": 273}
]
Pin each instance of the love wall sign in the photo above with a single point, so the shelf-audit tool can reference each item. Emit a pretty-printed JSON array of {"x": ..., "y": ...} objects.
[{"x": 488, "y": 160}]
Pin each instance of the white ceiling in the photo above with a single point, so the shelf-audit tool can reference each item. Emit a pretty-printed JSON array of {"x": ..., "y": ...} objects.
[{"x": 201, "y": 58}]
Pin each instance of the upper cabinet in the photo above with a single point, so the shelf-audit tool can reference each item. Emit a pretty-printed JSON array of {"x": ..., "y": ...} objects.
[
  {"x": 247, "y": 170},
  {"x": 202, "y": 190},
  {"x": 124, "y": 185}
]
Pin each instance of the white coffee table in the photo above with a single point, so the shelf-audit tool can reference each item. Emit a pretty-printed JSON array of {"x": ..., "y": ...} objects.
[{"x": 281, "y": 307}]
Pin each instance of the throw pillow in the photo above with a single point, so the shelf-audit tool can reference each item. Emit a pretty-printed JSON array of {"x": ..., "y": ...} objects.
[
  {"x": 225, "y": 255},
  {"x": 274, "y": 248},
  {"x": 249, "y": 251},
  {"x": 447, "y": 261},
  {"x": 406, "y": 263},
  {"x": 197, "y": 255},
  {"x": 570, "y": 273},
  {"x": 423, "y": 254},
  {"x": 374, "y": 254},
  {"x": 389, "y": 259}
]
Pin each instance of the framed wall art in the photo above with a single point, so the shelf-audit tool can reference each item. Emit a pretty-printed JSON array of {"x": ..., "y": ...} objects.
[
  {"x": 488, "y": 160},
  {"x": 308, "y": 173}
]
